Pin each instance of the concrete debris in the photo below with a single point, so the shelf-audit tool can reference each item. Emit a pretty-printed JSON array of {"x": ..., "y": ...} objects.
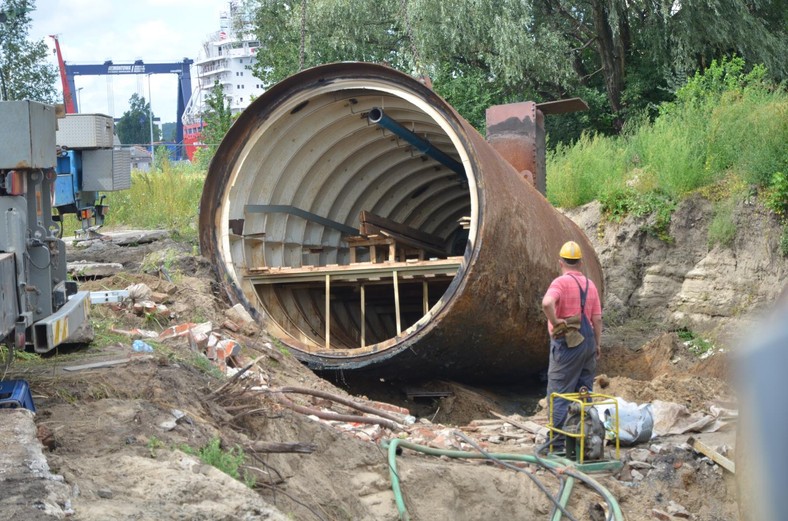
[
  {"x": 677, "y": 510},
  {"x": 148, "y": 308},
  {"x": 637, "y": 475},
  {"x": 240, "y": 317},
  {"x": 159, "y": 297},
  {"x": 673, "y": 418},
  {"x": 125, "y": 238},
  {"x": 640, "y": 455},
  {"x": 92, "y": 270},
  {"x": 223, "y": 351},
  {"x": 659, "y": 514},
  {"x": 180, "y": 330},
  {"x": 45, "y": 494},
  {"x": 232, "y": 326},
  {"x": 238, "y": 314}
]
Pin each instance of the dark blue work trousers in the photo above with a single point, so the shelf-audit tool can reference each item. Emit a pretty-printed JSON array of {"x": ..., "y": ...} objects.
[{"x": 570, "y": 370}]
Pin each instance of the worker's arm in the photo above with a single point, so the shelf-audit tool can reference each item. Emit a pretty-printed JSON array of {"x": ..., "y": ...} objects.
[
  {"x": 548, "y": 306},
  {"x": 596, "y": 321}
]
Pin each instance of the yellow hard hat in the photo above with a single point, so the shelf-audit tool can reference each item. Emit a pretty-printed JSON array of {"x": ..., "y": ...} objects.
[{"x": 570, "y": 250}]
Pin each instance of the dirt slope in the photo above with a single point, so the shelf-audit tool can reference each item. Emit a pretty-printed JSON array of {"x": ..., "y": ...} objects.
[{"x": 122, "y": 437}]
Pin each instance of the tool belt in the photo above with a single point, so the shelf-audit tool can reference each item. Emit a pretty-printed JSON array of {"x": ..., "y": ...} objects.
[{"x": 570, "y": 330}]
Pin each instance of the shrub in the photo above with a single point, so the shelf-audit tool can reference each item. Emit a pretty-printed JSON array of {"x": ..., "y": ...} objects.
[{"x": 722, "y": 228}]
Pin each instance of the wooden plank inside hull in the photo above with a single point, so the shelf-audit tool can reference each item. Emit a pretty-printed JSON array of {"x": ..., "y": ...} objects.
[{"x": 355, "y": 272}]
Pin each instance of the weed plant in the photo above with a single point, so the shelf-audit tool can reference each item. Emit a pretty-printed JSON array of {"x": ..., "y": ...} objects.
[
  {"x": 167, "y": 197},
  {"x": 722, "y": 228},
  {"x": 724, "y": 124},
  {"x": 229, "y": 461}
]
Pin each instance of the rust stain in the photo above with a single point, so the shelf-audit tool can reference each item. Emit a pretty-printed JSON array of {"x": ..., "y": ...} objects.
[{"x": 492, "y": 325}]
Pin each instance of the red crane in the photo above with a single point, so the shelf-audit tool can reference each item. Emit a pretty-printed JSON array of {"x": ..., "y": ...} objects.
[{"x": 68, "y": 96}]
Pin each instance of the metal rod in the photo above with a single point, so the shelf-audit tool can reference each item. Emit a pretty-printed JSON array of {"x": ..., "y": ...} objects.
[
  {"x": 377, "y": 117},
  {"x": 426, "y": 291},
  {"x": 309, "y": 216}
]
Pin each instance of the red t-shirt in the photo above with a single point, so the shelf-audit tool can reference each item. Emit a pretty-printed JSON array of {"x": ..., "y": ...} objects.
[{"x": 567, "y": 297}]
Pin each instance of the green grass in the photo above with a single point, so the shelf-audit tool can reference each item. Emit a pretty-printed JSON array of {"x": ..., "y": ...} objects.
[
  {"x": 722, "y": 228},
  {"x": 229, "y": 461},
  {"x": 695, "y": 344},
  {"x": 168, "y": 198},
  {"x": 724, "y": 127}
]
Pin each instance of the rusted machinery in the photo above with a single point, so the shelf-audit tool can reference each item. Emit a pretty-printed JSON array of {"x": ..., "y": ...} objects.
[{"x": 368, "y": 226}]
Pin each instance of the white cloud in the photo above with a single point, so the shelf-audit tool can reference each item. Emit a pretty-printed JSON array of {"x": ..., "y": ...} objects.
[{"x": 156, "y": 31}]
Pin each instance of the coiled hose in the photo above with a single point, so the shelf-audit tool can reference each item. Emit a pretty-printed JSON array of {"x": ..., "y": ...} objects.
[{"x": 395, "y": 443}]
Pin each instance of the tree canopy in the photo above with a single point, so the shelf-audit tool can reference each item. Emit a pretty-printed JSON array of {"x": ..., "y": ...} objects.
[
  {"x": 217, "y": 119},
  {"x": 133, "y": 128},
  {"x": 623, "y": 57},
  {"x": 24, "y": 71}
]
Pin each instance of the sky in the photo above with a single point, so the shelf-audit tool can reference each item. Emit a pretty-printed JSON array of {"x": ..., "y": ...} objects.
[{"x": 156, "y": 31}]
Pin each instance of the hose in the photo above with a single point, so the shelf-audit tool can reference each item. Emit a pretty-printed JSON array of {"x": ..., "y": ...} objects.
[
  {"x": 394, "y": 444},
  {"x": 491, "y": 457}
]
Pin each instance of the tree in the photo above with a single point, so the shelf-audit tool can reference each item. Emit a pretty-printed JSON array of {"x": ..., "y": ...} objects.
[
  {"x": 134, "y": 126},
  {"x": 24, "y": 71},
  {"x": 623, "y": 56},
  {"x": 652, "y": 46},
  {"x": 217, "y": 119}
]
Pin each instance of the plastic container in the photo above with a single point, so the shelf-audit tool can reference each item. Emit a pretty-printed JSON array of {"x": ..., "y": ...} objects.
[{"x": 15, "y": 394}]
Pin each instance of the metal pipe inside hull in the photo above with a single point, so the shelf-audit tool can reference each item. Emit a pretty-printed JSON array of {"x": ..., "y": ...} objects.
[
  {"x": 377, "y": 117},
  {"x": 487, "y": 323}
]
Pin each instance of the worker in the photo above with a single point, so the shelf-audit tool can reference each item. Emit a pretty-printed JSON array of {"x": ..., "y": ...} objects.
[{"x": 574, "y": 321}]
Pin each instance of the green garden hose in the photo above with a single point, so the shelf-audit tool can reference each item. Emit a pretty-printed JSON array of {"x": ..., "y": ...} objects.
[{"x": 394, "y": 443}]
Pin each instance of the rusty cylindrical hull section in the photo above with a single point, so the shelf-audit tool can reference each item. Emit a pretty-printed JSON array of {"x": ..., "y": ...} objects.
[{"x": 488, "y": 322}]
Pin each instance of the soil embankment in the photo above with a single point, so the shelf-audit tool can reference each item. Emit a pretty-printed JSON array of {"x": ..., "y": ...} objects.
[{"x": 123, "y": 437}]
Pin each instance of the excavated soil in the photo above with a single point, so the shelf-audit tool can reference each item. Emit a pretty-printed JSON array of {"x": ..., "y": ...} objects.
[{"x": 124, "y": 437}]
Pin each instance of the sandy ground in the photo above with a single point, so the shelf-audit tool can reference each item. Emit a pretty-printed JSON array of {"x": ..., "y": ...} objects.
[{"x": 123, "y": 437}]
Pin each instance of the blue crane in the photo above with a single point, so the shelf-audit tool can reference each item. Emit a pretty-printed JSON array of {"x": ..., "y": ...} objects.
[{"x": 181, "y": 68}]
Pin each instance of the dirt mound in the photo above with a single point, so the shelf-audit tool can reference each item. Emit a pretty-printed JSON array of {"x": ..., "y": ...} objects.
[
  {"x": 665, "y": 354},
  {"x": 123, "y": 437}
]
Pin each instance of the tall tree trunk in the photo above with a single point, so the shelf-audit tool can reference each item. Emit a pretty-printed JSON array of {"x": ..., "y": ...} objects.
[{"x": 610, "y": 44}]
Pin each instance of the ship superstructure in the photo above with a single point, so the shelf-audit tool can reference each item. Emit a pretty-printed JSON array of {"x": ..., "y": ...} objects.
[{"x": 226, "y": 57}]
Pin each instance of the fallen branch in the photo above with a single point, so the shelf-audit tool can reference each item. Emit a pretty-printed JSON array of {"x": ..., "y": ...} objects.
[
  {"x": 276, "y": 490},
  {"x": 310, "y": 411},
  {"x": 283, "y": 447},
  {"x": 237, "y": 376},
  {"x": 341, "y": 399}
]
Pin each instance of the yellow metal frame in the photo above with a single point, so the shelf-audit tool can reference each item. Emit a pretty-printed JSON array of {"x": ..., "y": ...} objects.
[{"x": 584, "y": 400}]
